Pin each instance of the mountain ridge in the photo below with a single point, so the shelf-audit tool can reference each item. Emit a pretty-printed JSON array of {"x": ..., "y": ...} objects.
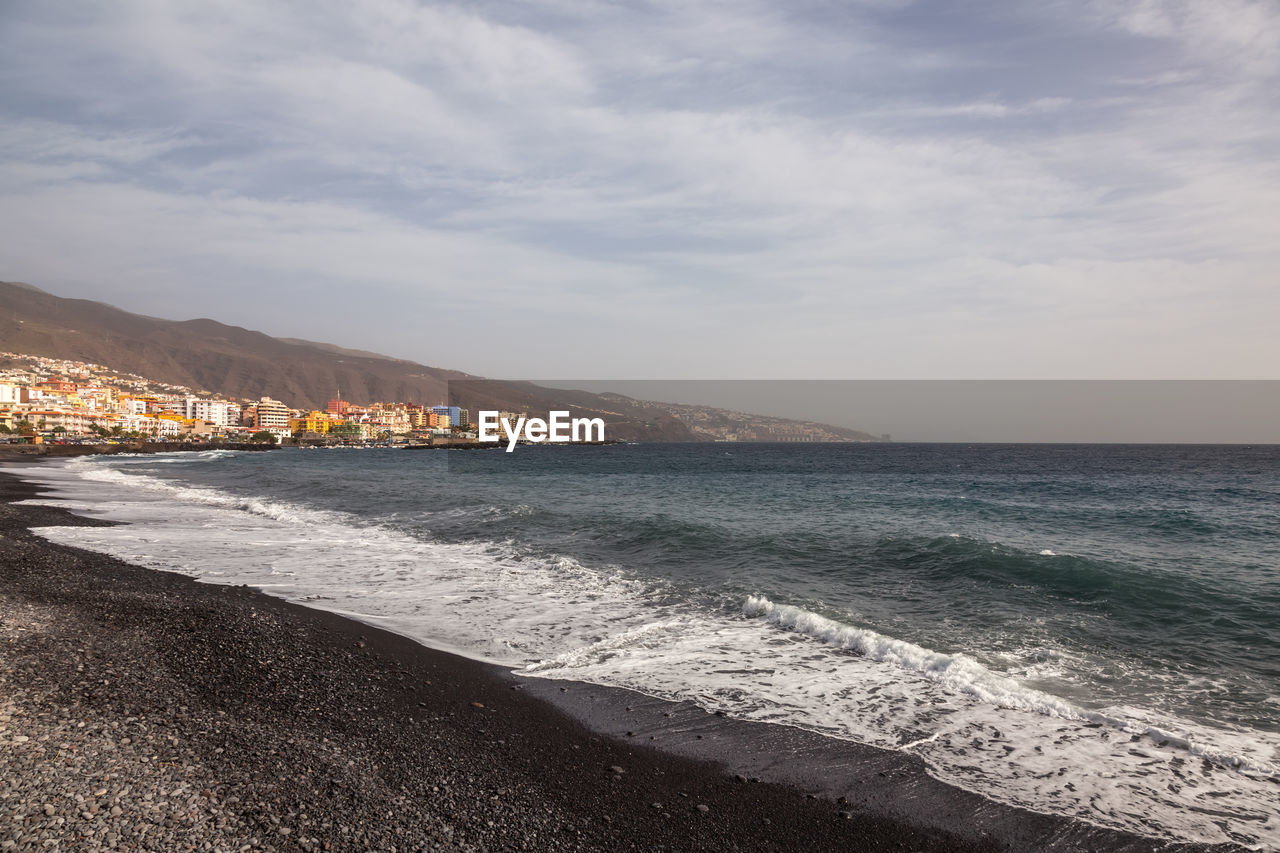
[
  {"x": 204, "y": 353},
  {"x": 213, "y": 357}
]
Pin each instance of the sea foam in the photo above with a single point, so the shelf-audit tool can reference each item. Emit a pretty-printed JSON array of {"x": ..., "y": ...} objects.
[
  {"x": 554, "y": 616},
  {"x": 958, "y": 671}
]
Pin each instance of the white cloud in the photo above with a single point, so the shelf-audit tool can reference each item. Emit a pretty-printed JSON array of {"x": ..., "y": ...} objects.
[
  {"x": 823, "y": 174},
  {"x": 1238, "y": 34}
]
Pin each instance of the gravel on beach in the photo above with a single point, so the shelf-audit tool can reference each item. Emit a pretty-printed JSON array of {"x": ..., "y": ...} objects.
[{"x": 141, "y": 710}]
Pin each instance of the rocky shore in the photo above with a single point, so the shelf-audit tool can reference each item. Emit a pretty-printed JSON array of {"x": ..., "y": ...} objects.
[{"x": 140, "y": 710}]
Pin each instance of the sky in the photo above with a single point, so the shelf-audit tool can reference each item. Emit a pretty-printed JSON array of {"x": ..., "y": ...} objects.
[
  {"x": 1054, "y": 411},
  {"x": 867, "y": 189}
]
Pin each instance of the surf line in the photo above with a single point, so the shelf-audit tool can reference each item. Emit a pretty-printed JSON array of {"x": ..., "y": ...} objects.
[{"x": 557, "y": 427}]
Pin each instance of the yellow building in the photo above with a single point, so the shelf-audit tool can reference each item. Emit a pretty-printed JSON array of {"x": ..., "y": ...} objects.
[{"x": 315, "y": 422}]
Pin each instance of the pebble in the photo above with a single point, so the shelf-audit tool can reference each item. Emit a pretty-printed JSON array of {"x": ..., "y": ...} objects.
[{"x": 216, "y": 722}]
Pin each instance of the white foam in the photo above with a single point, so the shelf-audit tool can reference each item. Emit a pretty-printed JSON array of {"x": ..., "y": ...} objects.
[
  {"x": 487, "y": 600},
  {"x": 959, "y": 671},
  {"x": 981, "y": 729}
]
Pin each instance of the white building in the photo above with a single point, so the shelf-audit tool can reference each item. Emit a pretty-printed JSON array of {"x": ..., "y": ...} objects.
[
  {"x": 73, "y": 421},
  {"x": 271, "y": 415},
  {"x": 219, "y": 412},
  {"x": 151, "y": 425},
  {"x": 137, "y": 423}
]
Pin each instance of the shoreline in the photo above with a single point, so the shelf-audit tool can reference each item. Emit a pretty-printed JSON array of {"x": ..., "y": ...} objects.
[
  {"x": 309, "y": 725},
  {"x": 27, "y": 452}
]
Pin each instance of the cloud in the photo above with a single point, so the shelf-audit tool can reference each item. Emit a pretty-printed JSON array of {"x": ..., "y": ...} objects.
[
  {"x": 1242, "y": 35},
  {"x": 836, "y": 179}
]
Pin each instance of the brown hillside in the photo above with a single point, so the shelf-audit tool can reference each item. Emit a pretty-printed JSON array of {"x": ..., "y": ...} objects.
[{"x": 208, "y": 355}]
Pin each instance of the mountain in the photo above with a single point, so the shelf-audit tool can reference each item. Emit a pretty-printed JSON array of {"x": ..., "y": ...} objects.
[{"x": 206, "y": 355}]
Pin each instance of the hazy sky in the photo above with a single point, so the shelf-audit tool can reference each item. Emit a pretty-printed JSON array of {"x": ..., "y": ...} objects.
[
  {"x": 1121, "y": 412},
  {"x": 878, "y": 189}
]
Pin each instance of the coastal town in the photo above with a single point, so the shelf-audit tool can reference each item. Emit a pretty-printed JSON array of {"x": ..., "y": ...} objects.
[
  {"x": 47, "y": 400},
  {"x": 54, "y": 400}
]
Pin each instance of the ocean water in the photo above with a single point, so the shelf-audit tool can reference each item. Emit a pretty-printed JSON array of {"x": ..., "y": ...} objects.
[{"x": 1091, "y": 631}]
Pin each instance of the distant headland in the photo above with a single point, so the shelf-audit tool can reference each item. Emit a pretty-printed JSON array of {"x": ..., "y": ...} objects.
[{"x": 74, "y": 369}]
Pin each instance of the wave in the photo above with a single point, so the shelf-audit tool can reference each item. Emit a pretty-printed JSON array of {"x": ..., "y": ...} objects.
[
  {"x": 963, "y": 674},
  {"x": 491, "y": 598},
  {"x": 957, "y": 671},
  {"x": 497, "y": 599},
  {"x": 276, "y": 510},
  {"x": 1115, "y": 585},
  {"x": 167, "y": 456}
]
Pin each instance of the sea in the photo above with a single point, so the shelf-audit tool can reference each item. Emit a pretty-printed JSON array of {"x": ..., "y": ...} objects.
[{"x": 1081, "y": 630}]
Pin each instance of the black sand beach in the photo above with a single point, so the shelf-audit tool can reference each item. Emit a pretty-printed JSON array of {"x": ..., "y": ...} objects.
[{"x": 142, "y": 710}]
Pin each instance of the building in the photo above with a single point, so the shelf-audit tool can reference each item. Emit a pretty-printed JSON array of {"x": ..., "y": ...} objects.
[
  {"x": 201, "y": 429},
  {"x": 219, "y": 412},
  {"x": 453, "y": 413},
  {"x": 316, "y": 422},
  {"x": 155, "y": 426},
  {"x": 271, "y": 414},
  {"x": 74, "y": 422},
  {"x": 391, "y": 419},
  {"x": 351, "y": 430}
]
